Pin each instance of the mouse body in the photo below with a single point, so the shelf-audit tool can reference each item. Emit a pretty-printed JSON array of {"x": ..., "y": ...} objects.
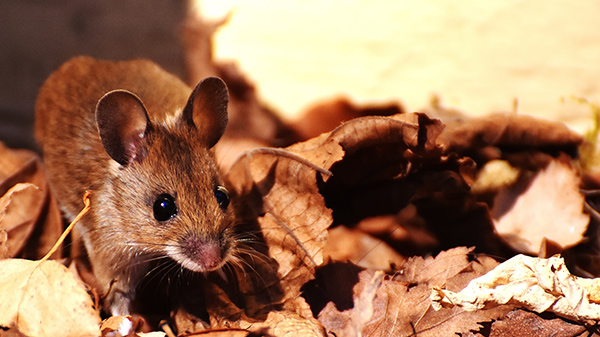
[{"x": 141, "y": 141}]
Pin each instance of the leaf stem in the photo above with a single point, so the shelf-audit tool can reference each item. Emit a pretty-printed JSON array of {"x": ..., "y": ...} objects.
[{"x": 87, "y": 202}]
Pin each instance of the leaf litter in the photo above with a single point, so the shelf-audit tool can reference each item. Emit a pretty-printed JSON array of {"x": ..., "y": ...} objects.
[
  {"x": 401, "y": 195},
  {"x": 532, "y": 283}
]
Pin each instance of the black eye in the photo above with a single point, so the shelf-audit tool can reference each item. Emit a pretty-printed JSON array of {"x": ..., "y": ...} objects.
[
  {"x": 222, "y": 196},
  {"x": 164, "y": 207}
]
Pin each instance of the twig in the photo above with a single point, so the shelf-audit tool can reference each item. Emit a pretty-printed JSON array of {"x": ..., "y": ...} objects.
[{"x": 87, "y": 202}]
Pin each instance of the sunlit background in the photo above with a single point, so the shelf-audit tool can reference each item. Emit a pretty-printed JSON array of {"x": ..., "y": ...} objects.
[{"x": 476, "y": 56}]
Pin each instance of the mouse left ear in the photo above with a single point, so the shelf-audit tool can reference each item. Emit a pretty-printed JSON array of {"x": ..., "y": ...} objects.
[
  {"x": 122, "y": 122},
  {"x": 206, "y": 109}
]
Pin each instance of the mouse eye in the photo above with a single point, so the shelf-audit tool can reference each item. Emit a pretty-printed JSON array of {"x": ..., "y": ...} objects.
[
  {"x": 222, "y": 196},
  {"x": 164, "y": 207}
]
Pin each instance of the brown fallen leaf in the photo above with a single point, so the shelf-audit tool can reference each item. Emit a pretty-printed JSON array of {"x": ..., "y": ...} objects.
[
  {"x": 280, "y": 193},
  {"x": 406, "y": 232},
  {"x": 400, "y": 304},
  {"x": 547, "y": 206},
  {"x": 34, "y": 237},
  {"x": 16, "y": 217},
  {"x": 392, "y": 166},
  {"x": 3, "y": 245},
  {"x": 360, "y": 248},
  {"x": 45, "y": 299},
  {"x": 481, "y": 137},
  {"x": 527, "y": 324},
  {"x": 332, "y": 292},
  {"x": 218, "y": 333},
  {"x": 225, "y": 315}
]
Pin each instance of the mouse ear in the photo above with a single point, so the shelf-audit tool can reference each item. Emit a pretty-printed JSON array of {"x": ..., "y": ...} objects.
[
  {"x": 122, "y": 121},
  {"x": 206, "y": 109}
]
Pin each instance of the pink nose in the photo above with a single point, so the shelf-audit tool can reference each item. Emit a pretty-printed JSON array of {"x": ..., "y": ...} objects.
[{"x": 206, "y": 254}]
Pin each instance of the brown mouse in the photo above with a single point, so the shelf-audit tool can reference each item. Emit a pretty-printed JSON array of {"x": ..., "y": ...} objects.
[{"x": 140, "y": 140}]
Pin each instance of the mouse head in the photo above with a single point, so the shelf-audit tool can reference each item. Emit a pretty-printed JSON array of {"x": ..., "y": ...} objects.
[{"x": 176, "y": 203}]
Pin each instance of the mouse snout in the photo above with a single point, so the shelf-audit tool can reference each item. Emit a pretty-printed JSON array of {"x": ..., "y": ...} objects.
[{"x": 201, "y": 255}]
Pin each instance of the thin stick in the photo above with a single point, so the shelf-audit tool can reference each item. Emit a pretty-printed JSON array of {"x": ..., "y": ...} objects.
[
  {"x": 166, "y": 328},
  {"x": 87, "y": 202}
]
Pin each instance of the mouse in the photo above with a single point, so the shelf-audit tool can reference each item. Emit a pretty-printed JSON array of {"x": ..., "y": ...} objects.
[{"x": 141, "y": 141}]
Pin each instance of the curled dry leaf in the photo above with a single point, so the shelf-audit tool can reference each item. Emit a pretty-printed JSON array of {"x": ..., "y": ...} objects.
[
  {"x": 16, "y": 216},
  {"x": 475, "y": 136},
  {"x": 548, "y": 206},
  {"x": 45, "y": 299},
  {"x": 37, "y": 230},
  {"x": 394, "y": 166},
  {"x": 399, "y": 305},
  {"x": 283, "y": 197},
  {"x": 533, "y": 283}
]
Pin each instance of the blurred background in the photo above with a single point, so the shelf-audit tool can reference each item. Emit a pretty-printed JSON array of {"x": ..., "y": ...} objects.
[{"x": 479, "y": 57}]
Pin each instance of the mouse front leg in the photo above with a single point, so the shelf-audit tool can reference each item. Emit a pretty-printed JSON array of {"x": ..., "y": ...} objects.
[
  {"x": 117, "y": 288},
  {"x": 117, "y": 276},
  {"x": 118, "y": 302}
]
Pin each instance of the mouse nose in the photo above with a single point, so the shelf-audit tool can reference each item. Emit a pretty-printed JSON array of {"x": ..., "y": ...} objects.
[{"x": 206, "y": 254}]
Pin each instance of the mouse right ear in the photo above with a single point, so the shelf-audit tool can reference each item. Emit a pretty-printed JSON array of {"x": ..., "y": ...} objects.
[
  {"x": 206, "y": 109},
  {"x": 122, "y": 121}
]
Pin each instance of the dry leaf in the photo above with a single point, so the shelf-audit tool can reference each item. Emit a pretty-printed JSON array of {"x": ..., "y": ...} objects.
[
  {"x": 512, "y": 131},
  {"x": 406, "y": 232},
  {"x": 226, "y": 332},
  {"x": 548, "y": 206},
  {"x": 392, "y": 166},
  {"x": 285, "y": 324},
  {"x": 45, "y": 299},
  {"x": 3, "y": 245},
  {"x": 293, "y": 219},
  {"x": 533, "y": 283},
  {"x": 16, "y": 216},
  {"x": 225, "y": 315},
  {"x": 45, "y": 225},
  {"x": 400, "y": 306},
  {"x": 527, "y": 324},
  {"x": 360, "y": 248}
]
